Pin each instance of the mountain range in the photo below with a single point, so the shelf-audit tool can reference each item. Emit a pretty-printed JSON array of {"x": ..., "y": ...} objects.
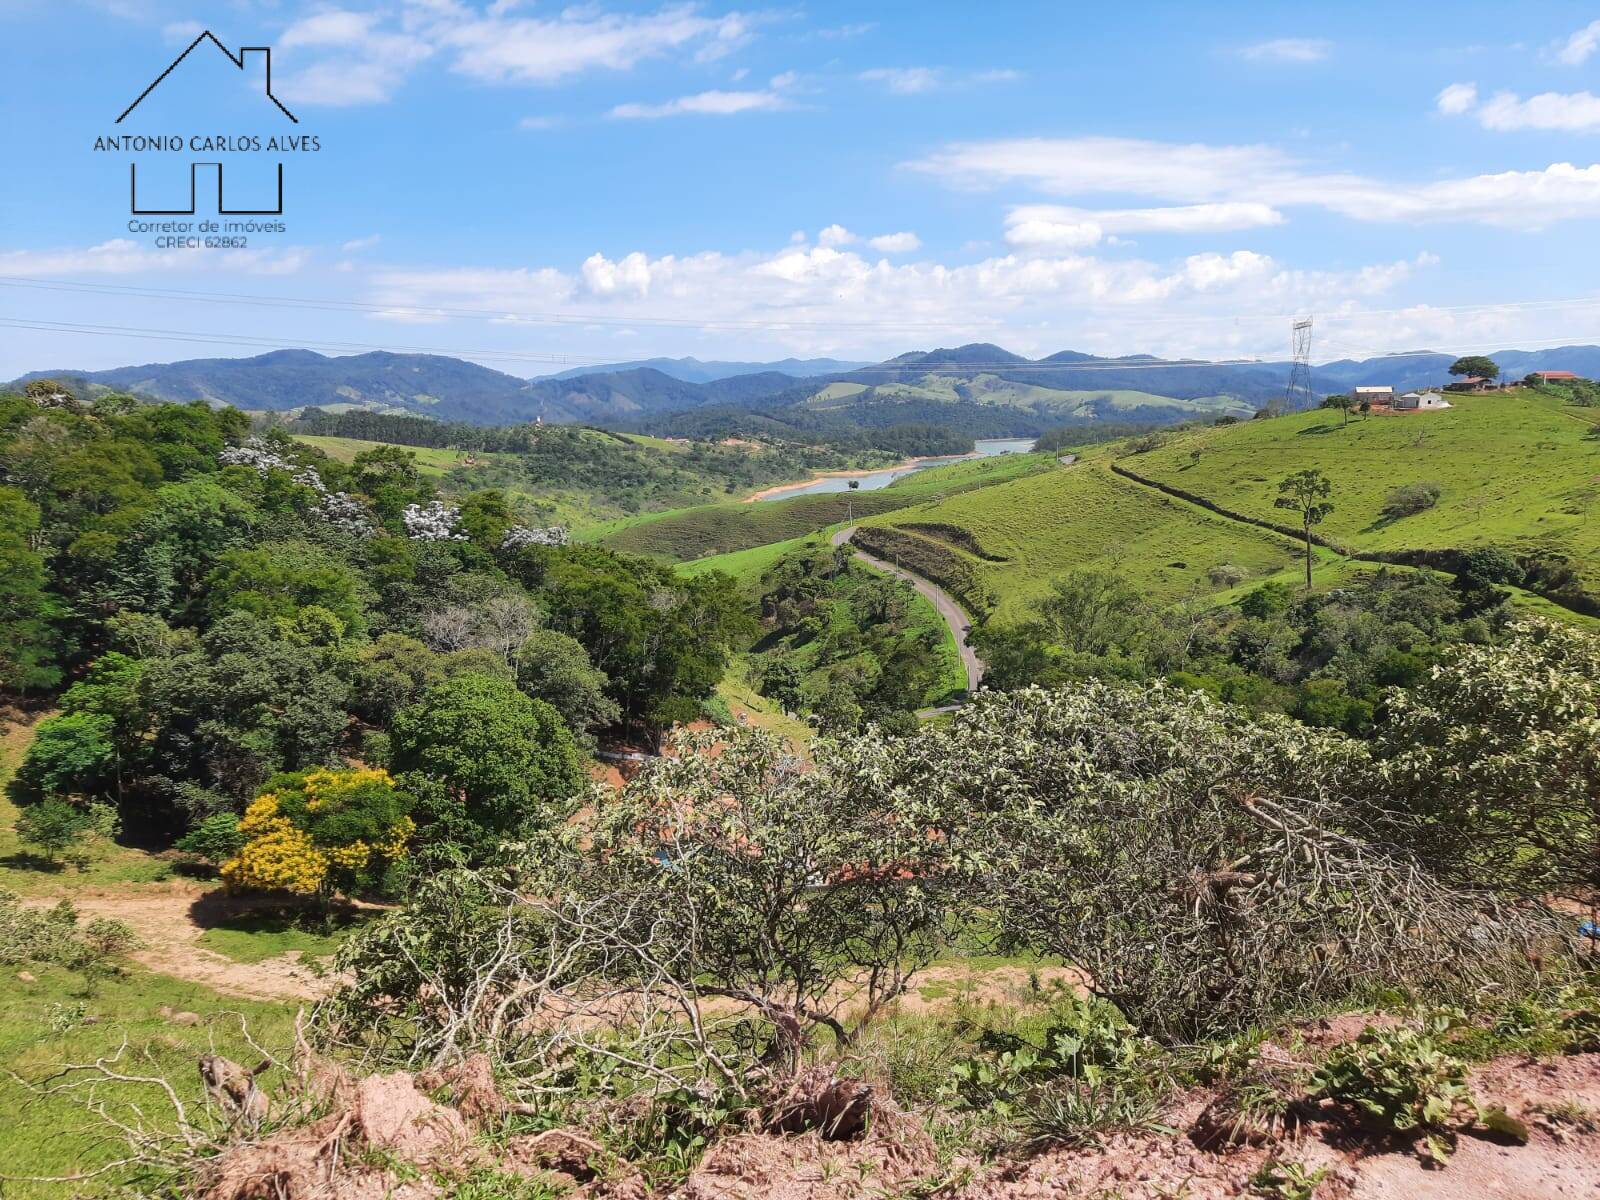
[{"x": 981, "y": 388}]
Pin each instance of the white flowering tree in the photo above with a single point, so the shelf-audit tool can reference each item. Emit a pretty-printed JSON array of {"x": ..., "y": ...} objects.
[{"x": 435, "y": 521}]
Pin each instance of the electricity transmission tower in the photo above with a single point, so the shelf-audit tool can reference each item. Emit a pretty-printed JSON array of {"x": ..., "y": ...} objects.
[{"x": 1299, "y": 390}]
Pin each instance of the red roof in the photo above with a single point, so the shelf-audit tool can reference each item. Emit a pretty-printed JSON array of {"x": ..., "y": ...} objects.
[{"x": 1556, "y": 374}]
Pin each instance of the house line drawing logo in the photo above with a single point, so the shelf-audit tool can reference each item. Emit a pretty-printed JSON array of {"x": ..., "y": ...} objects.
[
  {"x": 236, "y": 59},
  {"x": 202, "y": 144}
]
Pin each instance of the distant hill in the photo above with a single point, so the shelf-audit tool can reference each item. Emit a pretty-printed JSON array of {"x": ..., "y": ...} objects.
[
  {"x": 981, "y": 389},
  {"x": 693, "y": 370}
]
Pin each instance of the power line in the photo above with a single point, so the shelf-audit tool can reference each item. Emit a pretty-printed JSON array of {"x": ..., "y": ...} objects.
[{"x": 558, "y": 317}]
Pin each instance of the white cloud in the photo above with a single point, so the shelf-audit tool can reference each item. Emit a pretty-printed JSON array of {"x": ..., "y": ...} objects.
[
  {"x": 1288, "y": 50},
  {"x": 1577, "y": 112},
  {"x": 1069, "y": 166},
  {"x": 1196, "y": 173},
  {"x": 353, "y": 57},
  {"x": 896, "y": 243},
  {"x": 365, "y": 64},
  {"x": 361, "y": 243},
  {"x": 714, "y": 103},
  {"x": 836, "y": 235},
  {"x": 1457, "y": 98},
  {"x": 1056, "y": 227},
  {"x": 903, "y": 81},
  {"x": 182, "y": 32},
  {"x": 526, "y": 49},
  {"x": 1581, "y": 45},
  {"x": 334, "y": 28},
  {"x": 914, "y": 81},
  {"x": 817, "y": 298},
  {"x": 540, "y": 122},
  {"x": 1563, "y": 112}
]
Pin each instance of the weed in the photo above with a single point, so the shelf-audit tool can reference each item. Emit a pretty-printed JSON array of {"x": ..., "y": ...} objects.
[
  {"x": 1402, "y": 1079},
  {"x": 1079, "y": 1112},
  {"x": 1285, "y": 1179}
]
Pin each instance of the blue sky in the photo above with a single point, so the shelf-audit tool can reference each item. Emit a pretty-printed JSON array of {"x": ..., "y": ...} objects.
[{"x": 536, "y": 186}]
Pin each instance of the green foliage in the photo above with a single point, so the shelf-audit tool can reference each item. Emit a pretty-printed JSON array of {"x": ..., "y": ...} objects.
[
  {"x": 54, "y": 936},
  {"x": 487, "y": 761},
  {"x": 54, "y": 827},
  {"x": 1285, "y": 1179},
  {"x": 1495, "y": 758},
  {"x": 213, "y": 840},
  {"x": 281, "y": 581},
  {"x": 846, "y": 643},
  {"x": 1087, "y": 1040},
  {"x": 554, "y": 667},
  {"x": 1477, "y": 365},
  {"x": 1400, "y": 1078},
  {"x": 1410, "y": 499},
  {"x": 28, "y": 642}
]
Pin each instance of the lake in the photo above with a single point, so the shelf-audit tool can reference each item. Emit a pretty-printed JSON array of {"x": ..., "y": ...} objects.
[{"x": 983, "y": 448}]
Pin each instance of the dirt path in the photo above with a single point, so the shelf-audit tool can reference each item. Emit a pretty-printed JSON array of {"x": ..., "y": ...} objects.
[
  {"x": 163, "y": 918},
  {"x": 953, "y": 614}
]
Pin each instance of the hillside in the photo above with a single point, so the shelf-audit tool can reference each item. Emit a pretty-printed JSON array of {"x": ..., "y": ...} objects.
[
  {"x": 1522, "y": 474},
  {"x": 694, "y": 370}
]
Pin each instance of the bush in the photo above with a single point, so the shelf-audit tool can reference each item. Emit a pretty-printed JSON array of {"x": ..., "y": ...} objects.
[
  {"x": 214, "y": 840},
  {"x": 1399, "y": 1079},
  {"x": 313, "y": 833},
  {"x": 1410, "y": 499},
  {"x": 55, "y": 828}
]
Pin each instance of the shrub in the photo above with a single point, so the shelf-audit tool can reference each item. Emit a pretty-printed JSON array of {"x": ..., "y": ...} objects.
[
  {"x": 215, "y": 839},
  {"x": 313, "y": 833},
  {"x": 1184, "y": 856},
  {"x": 54, "y": 827},
  {"x": 1410, "y": 499},
  {"x": 1400, "y": 1079}
]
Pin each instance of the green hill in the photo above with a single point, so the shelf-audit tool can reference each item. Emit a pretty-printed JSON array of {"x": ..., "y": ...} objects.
[
  {"x": 1520, "y": 471},
  {"x": 1522, "y": 475}
]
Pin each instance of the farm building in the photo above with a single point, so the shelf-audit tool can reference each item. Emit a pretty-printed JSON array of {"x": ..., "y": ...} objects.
[
  {"x": 1373, "y": 394},
  {"x": 1421, "y": 402},
  {"x": 1554, "y": 377}
]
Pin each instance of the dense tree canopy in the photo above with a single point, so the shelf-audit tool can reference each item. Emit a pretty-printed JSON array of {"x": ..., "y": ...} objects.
[{"x": 224, "y": 607}]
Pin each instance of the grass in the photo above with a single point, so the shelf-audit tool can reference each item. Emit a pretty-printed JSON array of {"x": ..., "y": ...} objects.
[
  {"x": 1083, "y": 517},
  {"x": 21, "y": 873},
  {"x": 256, "y": 937},
  {"x": 1517, "y": 470},
  {"x": 43, "y": 1026},
  {"x": 430, "y": 461},
  {"x": 685, "y": 535}
]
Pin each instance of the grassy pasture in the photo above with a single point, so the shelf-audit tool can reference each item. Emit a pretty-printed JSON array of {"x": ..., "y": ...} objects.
[
  {"x": 1084, "y": 517},
  {"x": 689, "y": 534},
  {"x": 1517, "y": 470}
]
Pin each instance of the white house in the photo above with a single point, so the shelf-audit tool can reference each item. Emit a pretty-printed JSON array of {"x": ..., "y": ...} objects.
[
  {"x": 1421, "y": 402},
  {"x": 1372, "y": 394}
]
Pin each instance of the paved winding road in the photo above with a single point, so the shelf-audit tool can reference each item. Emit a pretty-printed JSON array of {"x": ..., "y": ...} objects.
[{"x": 954, "y": 615}]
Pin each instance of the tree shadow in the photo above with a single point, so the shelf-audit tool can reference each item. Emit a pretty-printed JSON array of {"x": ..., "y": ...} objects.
[
  {"x": 1317, "y": 430},
  {"x": 217, "y": 909},
  {"x": 22, "y": 860}
]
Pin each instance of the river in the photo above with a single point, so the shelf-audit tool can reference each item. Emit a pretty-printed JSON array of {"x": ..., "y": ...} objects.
[{"x": 873, "y": 480}]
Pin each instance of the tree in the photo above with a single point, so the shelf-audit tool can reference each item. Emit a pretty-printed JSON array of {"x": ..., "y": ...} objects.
[
  {"x": 27, "y": 641},
  {"x": 315, "y": 833},
  {"x": 1495, "y": 756},
  {"x": 498, "y": 761},
  {"x": 554, "y": 668},
  {"x": 1476, "y": 365},
  {"x": 1306, "y": 493},
  {"x": 1340, "y": 401},
  {"x": 53, "y": 826}
]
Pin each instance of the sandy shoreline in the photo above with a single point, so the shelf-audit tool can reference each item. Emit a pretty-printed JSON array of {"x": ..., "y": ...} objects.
[{"x": 778, "y": 489}]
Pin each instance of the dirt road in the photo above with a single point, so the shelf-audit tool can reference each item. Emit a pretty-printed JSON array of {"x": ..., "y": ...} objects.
[{"x": 953, "y": 614}]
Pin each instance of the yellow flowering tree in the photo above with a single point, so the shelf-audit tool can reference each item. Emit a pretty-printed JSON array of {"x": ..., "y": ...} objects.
[{"x": 314, "y": 833}]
